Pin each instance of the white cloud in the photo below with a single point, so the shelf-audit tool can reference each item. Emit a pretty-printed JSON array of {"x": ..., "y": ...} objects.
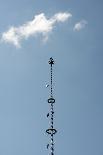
[
  {"x": 80, "y": 25},
  {"x": 39, "y": 25},
  {"x": 62, "y": 17}
]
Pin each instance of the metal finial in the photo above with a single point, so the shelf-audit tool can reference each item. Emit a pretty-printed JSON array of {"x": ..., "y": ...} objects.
[{"x": 51, "y": 61}]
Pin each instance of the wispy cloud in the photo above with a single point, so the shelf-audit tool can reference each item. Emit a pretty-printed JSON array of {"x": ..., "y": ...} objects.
[
  {"x": 39, "y": 25},
  {"x": 80, "y": 25}
]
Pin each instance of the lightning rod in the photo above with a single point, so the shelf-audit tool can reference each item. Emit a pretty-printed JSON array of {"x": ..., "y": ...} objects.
[{"x": 51, "y": 131}]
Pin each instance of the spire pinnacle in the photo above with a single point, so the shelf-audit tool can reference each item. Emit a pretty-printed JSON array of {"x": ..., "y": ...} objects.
[{"x": 51, "y": 130}]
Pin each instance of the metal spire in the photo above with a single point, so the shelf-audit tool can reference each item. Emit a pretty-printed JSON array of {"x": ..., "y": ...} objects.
[{"x": 51, "y": 130}]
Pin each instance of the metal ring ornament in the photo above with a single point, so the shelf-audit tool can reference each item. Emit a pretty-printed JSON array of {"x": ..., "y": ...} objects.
[
  {"x": 51, "y": 131},
  {"x": 51, "y": 100}
]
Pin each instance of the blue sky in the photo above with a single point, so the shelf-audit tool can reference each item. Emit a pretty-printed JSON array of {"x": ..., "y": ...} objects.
[{"x": 76, "y": 46}]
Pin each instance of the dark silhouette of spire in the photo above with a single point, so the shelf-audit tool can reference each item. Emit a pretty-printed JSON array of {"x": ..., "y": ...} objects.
[{"x": 51, "y": 130}]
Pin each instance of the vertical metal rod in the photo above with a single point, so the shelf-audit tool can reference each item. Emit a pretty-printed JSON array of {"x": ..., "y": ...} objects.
[
  {"x": 51, "y": 131},
  {"x": 51, "y": 81}
]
